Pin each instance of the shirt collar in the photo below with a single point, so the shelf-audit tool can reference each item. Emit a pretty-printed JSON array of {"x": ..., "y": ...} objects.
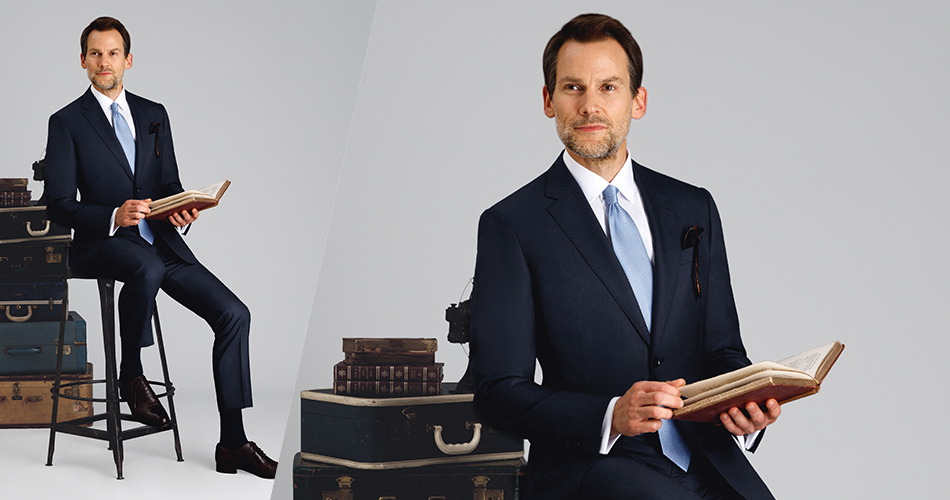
[
  {"x": 106, "y": 103},
  {"x": 593, "y": 185}
]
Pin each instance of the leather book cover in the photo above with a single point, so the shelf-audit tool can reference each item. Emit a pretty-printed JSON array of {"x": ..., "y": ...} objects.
[
  {"x": 782, "y": 389},
  {"x": 186, "y": 204},
  {"x": 389, "y": 345}
]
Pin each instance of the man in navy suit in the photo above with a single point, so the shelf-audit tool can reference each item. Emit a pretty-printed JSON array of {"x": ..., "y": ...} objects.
[
  {"x": 550, "y": 286},
  {"x": 116, "y": 150}
]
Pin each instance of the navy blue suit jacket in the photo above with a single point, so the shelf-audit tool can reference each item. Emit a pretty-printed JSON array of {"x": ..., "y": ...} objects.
[
  {"x": 83, "y": 153},
  {"x": 548, "y": 286}
]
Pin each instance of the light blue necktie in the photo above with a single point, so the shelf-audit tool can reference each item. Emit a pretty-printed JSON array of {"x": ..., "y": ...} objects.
[
  {"x": 632, "y": 254},
  {"x": 124, "y": 134}
]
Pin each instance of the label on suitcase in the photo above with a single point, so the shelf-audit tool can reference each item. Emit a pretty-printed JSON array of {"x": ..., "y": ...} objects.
[
  {"x": 30, "y": 347},
  {"x": 29, "y": 224},
  {"x": 390, "y": 433},
  {"x": 21, "y": 302},
  {"x": 494, "y": 480},
  {"x": 25, "y": 400}
]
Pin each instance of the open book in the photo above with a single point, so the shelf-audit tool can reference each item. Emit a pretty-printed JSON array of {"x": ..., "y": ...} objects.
[
  {"x": 789, "y": 379},
  {"x": 201, "y": 199}
]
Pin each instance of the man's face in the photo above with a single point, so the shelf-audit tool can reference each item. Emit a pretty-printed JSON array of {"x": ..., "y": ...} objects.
[
  {"x": 105, "y": 60},
  {"x": 592, "y": 102}
]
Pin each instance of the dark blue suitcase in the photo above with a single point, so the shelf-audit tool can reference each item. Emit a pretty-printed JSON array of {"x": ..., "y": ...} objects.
[
  {"x": 21, "y": 302},
  {"x": 29, "y": 225},
  {"x": 397, "y": 433},
  {"x": 29, "y": 348},
  {"x": 493, "y": 480}
]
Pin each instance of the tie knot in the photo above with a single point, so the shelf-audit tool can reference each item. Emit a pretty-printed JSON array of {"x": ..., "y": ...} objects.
[
  {"x": 115, "y": 107},
  {"x": 610, "y": 195}
]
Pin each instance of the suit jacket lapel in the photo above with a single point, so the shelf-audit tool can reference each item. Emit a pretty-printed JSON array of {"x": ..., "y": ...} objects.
[
  {"x": 573, "y": 214},
  {"x": 97, "y": 120},
  {"x": 666, "y": 241},
  {"x": 141, "y": 133}
]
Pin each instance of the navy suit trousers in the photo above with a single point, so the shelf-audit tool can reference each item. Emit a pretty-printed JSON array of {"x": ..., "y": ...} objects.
[{"x": 144, "y": 269}]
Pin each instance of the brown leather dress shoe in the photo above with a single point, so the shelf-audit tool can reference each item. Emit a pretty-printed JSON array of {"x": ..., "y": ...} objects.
[
  {"x": 248, "y": 458},
  {"x": 143, "y": 403}
]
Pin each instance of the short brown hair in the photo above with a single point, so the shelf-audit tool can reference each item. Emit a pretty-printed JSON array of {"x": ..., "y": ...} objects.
[
  {"x": 593, "y": 28},
  {"x": 106, "y": 24}
]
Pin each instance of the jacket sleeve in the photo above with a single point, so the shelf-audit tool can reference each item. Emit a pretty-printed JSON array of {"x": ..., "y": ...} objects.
[
  {"x": 62, "y": 177},
  {"x": 504, "y": 342}
]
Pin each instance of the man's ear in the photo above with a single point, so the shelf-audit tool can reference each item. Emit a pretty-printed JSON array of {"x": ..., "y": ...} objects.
[
  {"x": 82, "y": 60},
  {"x": 639, "y": 107},
  {"x": 128, "y": 61},
  {"x": 548, "y": 104}
]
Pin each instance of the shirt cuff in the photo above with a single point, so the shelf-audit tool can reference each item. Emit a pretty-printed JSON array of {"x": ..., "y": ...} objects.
[
  {"x": 747, "y": 442},
  {"x": 112, "y": 227},
  {"x": 607, "y": 439}
]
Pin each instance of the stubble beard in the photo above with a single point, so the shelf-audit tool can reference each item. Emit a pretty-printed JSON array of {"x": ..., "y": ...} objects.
[
  {"x": 106, "y": 83},
  {"x": 602, "y": 151}
]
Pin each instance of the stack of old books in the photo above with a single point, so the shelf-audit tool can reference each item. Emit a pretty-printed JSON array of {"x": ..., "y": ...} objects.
[
  {"x": 14, "y": 193},
  {"x": 388, "y": 367}
]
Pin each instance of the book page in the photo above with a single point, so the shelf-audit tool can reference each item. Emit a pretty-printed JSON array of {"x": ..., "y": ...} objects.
[
  {"x": 809, "y": 361},
  {"x": 212, "y": 190}
]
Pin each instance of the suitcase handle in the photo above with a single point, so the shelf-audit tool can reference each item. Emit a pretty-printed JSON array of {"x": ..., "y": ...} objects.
[
  {"x": 21, "y": 351},
  {"x": 39, "y": 233},
  {"x": 19, "y": 319},
  {"x": 461, "y": 448}
]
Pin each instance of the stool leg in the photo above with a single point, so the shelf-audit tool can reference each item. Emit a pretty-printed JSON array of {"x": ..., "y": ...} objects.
[
  {"x": 113, "y": 417},
  {"x": 54, "y": 392},
  {"x": 169, "y": 388}
]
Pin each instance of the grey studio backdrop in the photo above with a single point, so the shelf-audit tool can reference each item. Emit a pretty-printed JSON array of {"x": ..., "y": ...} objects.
[
  {"x": 819, "y": 127},
  {"x": 260, "y": 93}
]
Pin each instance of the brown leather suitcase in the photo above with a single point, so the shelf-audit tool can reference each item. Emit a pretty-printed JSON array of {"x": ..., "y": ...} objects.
[{"x": 25, "y": 399}]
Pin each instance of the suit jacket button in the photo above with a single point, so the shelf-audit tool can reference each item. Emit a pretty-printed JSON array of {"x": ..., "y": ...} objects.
[{"x": 656, "y": 362}]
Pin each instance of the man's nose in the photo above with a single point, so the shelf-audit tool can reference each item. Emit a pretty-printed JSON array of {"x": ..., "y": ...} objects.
[{"x": 590, "y": 103}]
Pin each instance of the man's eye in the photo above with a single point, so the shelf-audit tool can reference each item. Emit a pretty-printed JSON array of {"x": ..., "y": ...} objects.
[{"x": 609, "y": 87}]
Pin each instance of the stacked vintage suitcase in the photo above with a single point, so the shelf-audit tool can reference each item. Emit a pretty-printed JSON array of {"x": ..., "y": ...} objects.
[
  {"x": 33, "y": 263},
  {"x": 390, "y": 429}
]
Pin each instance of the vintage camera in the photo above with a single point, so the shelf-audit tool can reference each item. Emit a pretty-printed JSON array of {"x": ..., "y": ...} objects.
[{"x": 459, "y": 318}]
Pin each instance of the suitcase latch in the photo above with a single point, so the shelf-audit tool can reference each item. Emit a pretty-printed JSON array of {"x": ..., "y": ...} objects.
[
  {"x": 16, "y": 392},
  {"x": 67, "y": 350},
  {"x": 53, "y": 258},
  {"x": 483, "y": 493},
  {"x": 344, "y": 493}
]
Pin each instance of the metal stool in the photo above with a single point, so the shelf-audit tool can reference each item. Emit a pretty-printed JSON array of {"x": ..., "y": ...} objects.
[{"x": 114, "y": 433}]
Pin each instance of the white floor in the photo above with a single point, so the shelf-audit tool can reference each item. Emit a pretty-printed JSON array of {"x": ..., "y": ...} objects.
[{"x": 83, "y": 467}]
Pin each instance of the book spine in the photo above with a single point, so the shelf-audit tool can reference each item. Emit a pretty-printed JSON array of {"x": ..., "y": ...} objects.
[
  {"x": 393, "y": 373},
  {"x": 386, "y": 389}
]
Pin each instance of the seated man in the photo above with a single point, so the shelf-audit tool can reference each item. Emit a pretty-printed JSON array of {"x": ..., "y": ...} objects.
[
  {"x": 115, "y": 149},
  {"x": 585, "y": 270}
]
